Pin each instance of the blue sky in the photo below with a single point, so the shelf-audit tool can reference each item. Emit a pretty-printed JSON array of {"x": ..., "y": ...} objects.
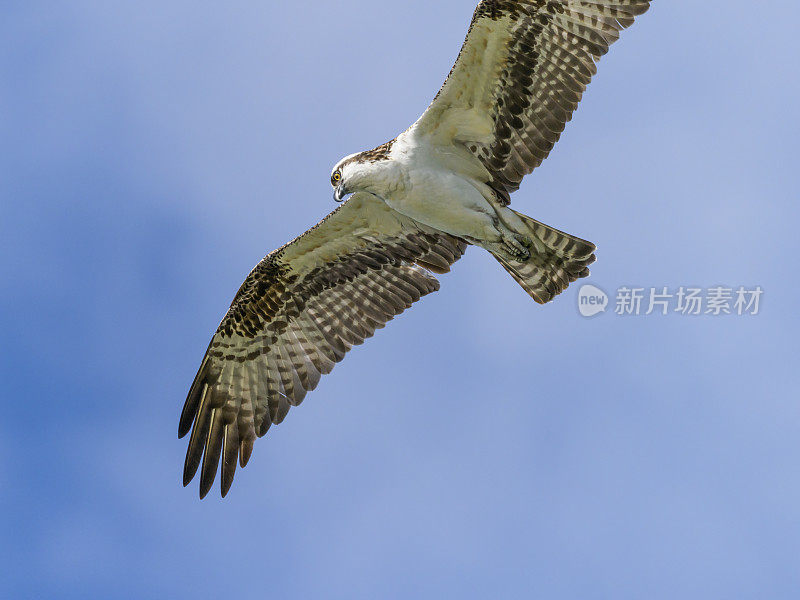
[{"x": 480, "y": 446}]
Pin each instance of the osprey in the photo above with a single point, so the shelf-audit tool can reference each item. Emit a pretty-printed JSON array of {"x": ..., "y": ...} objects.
[{"x": 415, "y": 205}]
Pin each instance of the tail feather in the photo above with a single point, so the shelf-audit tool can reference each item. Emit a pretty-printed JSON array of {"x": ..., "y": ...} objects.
[{"x": 557, "y": 259}]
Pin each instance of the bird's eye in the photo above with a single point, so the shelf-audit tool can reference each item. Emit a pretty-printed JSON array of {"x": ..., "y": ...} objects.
[{"x": 336, "y": 178}]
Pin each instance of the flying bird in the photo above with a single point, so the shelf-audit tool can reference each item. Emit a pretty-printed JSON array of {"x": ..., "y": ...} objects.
[{"x": 415, "y": 204}]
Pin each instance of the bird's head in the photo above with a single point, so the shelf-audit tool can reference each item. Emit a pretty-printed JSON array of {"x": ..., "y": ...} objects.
[
  {"x": 342, "y": 179},
  {"x": 361, "y": 172}
]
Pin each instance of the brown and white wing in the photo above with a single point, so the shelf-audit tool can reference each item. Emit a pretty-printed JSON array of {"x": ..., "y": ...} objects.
[
  {"x": 520, "y": 75},
  {"x": 295, "y": 316}
]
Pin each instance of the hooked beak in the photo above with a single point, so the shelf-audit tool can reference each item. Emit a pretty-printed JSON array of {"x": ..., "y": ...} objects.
[{"x": 340, "y": 192}]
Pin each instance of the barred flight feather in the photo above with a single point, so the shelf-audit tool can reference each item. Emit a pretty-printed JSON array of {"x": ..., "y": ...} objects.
[
  {"x": 295, "y": 316},
  {"x": 542, "y": 55}
]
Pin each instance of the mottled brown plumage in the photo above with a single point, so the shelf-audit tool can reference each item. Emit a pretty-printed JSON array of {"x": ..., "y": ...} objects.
[
  {"x": 542, "y": 55},
  {"x": 296, "y": 315}
]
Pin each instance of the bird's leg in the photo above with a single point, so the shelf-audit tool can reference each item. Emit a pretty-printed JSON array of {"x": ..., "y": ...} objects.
[
  {"x": 508, "y": 218},
  {"x": 517, "y": 247},
  {"x": 504, "y": 232},
  {"x": 512, "y": 245}
]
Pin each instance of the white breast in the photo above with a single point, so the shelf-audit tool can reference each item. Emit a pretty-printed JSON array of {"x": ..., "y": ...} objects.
[{"x": 438, "y": 197}]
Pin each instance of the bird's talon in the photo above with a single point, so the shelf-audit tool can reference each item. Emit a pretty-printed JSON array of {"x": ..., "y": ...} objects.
[{"x": 516, "y": 247}]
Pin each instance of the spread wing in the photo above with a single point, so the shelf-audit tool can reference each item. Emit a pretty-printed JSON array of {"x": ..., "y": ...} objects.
[
  {"x": 295, "y": 316},
  {"x": 519, "y": 77}
]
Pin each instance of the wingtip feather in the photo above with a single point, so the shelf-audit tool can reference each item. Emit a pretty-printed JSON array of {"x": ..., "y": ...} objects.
[
  {"x": 230, "y": 455},
  {"x": 193, "y": 399},
  {"x": 194, "y": 452},
  {"x": 208, "y": 472},
  {"x": 245, "y": 452}
]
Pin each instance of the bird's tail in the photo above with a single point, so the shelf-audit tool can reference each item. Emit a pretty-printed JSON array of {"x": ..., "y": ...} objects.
[{"x": 557, "y": 259}]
